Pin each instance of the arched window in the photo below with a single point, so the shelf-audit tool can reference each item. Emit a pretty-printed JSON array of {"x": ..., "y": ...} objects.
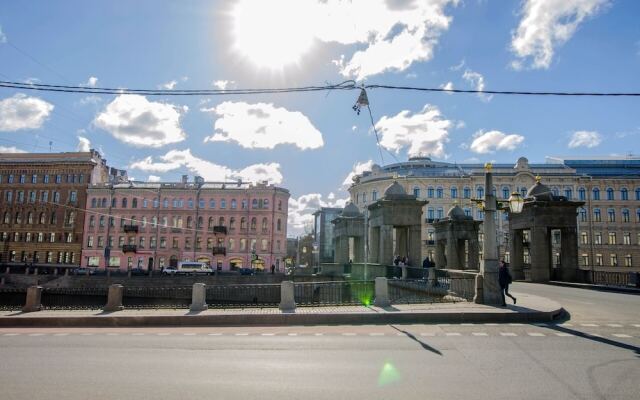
[
  {"x": 156, "y": 203},
  {"x": 223, "y": 203},
  {"x": 265, "y": 203},
  {"x": 7, "y": 217},
  {"x": 144, "y": 222},
  {"x": 189, "y": 223},
  {"x": 232, "y": 223},
  {"x": 174, "y": 203},
  {"x": 555, "y": 191},
  {"x": 568, "y": 193},
  {"x": 145, "y": 203},
  {"x": 104, "y": 202},
  {"x": 29, "y": 218},
  {"x": 279, "y": 225},
  {"x": 264, "y": 224},
  {"x": 154, "y": 221},
  {"x": 221, "y": 221},
  {"x": 101, "y": 221},
  {"x": 18, "y": 218},
  {"x": 190, "y": 203},
  {"x": 596, "y": 194},
  {"x": 610, "y": 194},
  {"x": 134, "y": 203},
  {"x": 243, "y": 223},
  {"x": 94, "y": 203},
  {"x": 454, "y": 192},
  {"x": 201, "y": 203},
  {"x": 164, "y": 222},
  {"x": 165, "y": 203},
  {"x": 505, "y": 192},
  {"x": 92, "y": 221},
  {"x": 124, "y": 202},
  {"x": 254, "y": 203},
  {"x": 582, "y": 193},
  {"x": 637, "y": 193},
  {"x": 374, "y": 195},
  {"x": 212, "y": 203},
  {"x": 253, "y": 223},
  {"x": 245, "y": 204},
  {"x": 234, "y": 204},
  {"x": 43, "y": 218},
  {"x": 416, "y": 191},
  {"x": 210, "y": 225},
  {"x": 113, "y": 202},
  {"x": 200, "y": 222},
  {"x": 430, "y": 192},
  {"x": 439, "y": 192},
  {"x": 466, "y": 192},
  {"x": 480, "y": 192},
  {"x": 624, "y": 194}
]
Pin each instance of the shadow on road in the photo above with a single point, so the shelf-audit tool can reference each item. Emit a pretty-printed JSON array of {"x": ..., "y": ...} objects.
[
  {"x": 423, "y": 344},
  {"x": 598, "y": 339}
]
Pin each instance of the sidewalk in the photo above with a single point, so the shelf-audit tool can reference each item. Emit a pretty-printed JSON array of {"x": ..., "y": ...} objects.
[
  {"x": 529, "y": 309},
  {"x": 602, "y": 288}
]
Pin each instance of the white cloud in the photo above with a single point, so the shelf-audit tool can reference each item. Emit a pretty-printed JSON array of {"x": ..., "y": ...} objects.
[
  {"x": 458, "y": 66},
  {"x": 387, "y": 35},
  {"x": 90, "y": 99},
  {"x": 3, "y": 37},
  {"x": 23, "y": 112},
  {"x": 176, "y": 159},
  {"x": 135, "y": 120},
  {"x": 84, "y": 144},
  {"x": 424, "y": 132},
  {"x": 476, "y": 80},
  {"x": 491, "y": 141},
  {"x": 91, "y": 82},
  {"x": 301, "y": 209},
  {"x": 153, "y": 178},
  {"x": 222, "y": 84},
  {"x": 447, "y": 86},
  {"x": 358, "y": 168},
  {"x": 11, "y": 149},
  {"x": 587, "y": 139},
  {"x": 169, "y": 85},
  {"x": 262, "y": 125},
  {"x": 547, "y": 24}
]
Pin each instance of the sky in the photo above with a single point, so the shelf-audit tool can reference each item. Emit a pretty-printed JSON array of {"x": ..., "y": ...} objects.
[{"x": 312, "y": 143}]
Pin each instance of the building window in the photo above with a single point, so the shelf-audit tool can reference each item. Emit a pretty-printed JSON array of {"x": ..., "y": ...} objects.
[
  {"x": 583, "y": 215},
  {"x": 279, "y": 205},
  {"x": 234, "y": 204},
  {"x": 439, "y": 193},
  {"x": 613, "y": 258},
  {"x": 416, "y": 191},
  {"x": 466, "y": 193},
  {"x": 568, "y": 193},
  {"x": 34, "y": 178},
  {"x": 625, "y": 215},
  {"x": 279, "y": 225},
  {"x": 467, "y": 212},
  {"x": 599, "y": 260},
  {"x": 597, "y": 217},
  {"x": 611, "y": 215},
  {"x": 45, "y": 179},
  {"x": 264, "y": 244},
  {"x": 479, "y": 192},
  {"x": 627, "y": 260},
  {"x": 597, "y": 238},
  {"x": 223, "y": 203},
  {"x": 431, "y": 214},
  {"x": 624, "y": 194},
  {"x": 585, "y": 260},
  {"x": 100, "y": 242},
  {"x": 253, "y": 224},
  {"x": 440, "y": 213},
  {"x": 374, "y": 195},
  {"x": 430, "y": 192},
  {"x": 584, "y": 238},
  {"x": 364, "y": 197},
  {"x": 610, "y": 194},
  {"x": 612, "y": 238},
  {"x": 626, "y": 238},
  {"x": 58, "y": 178},
  {"x": 22, "y": 178},
  {"x": 596, "y": 194},
  {"x": 637, "y": 193},
  {"x": 152, "y": 242},
  {"x": 212, "y": 203},
  {"x": 454, "y": 193},
  {"x": 505, "y": 192}
]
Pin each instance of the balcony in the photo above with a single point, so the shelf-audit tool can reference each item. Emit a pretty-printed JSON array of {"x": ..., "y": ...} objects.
[
  {"x": 131, "y": 228},
  {"x": 220, "y": 229},
  {"x": 129, "y": 248},
  {"x": 219, "y": 250}
]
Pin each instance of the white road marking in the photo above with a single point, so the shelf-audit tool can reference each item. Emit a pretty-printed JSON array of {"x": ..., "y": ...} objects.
[
  {"x": 348, "y": 334},
  {"x": 508, "y": 334},
  {"x": 563, "y": 334},
  {"x": 113, "y": 334},
  {"x": 36, "y": 334},
  {"x": 590, "y": 325},
  {"x": 453, "y": 334},
  {"x": 163, "y": 334},
  {"x": 241, "y": 334},
  {"x": 292, "y": 334},
  {"x": 318, "y": 334},
  {"x": 429, "y": 334},
  {"x": 622, "y": 335},
  {"x": 636, "y": 325},
  {"x": 11, "y": 334},
  {"x": 567, "y": 324},
  {"x": 614, "y": 325},
  {"x": 514, "y": 324},
  {"x": 536, "y": 334},
  {"x": 541, "y": 324},
  {"x": 491, "y": 324},
  {"x": 189, "y": 334},
  {"x": 137, "y": 334},
  {"x": 480, "y": 334},
  {"x": 215, "y": 334},
  {"x": 60, "y": 334},
  {"x": 267, "y": 334},
  {"x": 86, "y": 334}
]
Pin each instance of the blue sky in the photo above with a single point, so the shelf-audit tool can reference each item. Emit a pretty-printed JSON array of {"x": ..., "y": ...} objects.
[{"x": 310, "y": 142}]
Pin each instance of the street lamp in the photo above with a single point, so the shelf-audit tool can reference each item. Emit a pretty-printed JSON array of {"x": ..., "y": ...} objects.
[{"x": 516, "y": 203}]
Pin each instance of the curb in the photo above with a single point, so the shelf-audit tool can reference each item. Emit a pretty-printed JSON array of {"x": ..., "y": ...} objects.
[
  {"x": 600, "y": 288},
  {"x": 285, "y": 319}
]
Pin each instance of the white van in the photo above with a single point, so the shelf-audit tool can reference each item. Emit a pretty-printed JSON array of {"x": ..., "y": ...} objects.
[{"x": 193, "y": 268}]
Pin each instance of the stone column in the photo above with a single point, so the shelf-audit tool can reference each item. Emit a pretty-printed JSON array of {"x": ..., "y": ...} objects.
[
  {"x": 439, "y": 257},
  {"x": 515, "y": 251},
  {"x": 415, "y": 246},
  {"x": 540, "y": 250},
  {"x": 34, "y": 296},
  {"x": 474, "y": 253},
  {"x": 198, "y": 297},
  {"x": 489, "y": 265},
  {"x": 66, "y": 272},
  {"x": 386, "y": 245},
  {"x": 114, "y": 298},
  {"x": 287, "y": 297},
  {"x": 402, "y": 247},
  {"x": 569, "y": 255},
  {"x": 450, "y": 250},
  {"x": 374, "y": 244},
  {"x": 479, "y": 284},
  {"x": 382, "y": 293}
]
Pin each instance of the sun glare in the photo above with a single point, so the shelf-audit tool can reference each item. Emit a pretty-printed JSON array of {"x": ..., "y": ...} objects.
[{"x": 269, "y": 33}]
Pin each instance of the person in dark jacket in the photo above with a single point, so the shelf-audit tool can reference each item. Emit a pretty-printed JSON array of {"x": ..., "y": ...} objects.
[{"x": 504, "y": 279}]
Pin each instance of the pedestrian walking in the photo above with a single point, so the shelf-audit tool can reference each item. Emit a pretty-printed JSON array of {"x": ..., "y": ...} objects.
[
  {"x": 273, "y": 269},
  {"x": 504, "y": 279}
]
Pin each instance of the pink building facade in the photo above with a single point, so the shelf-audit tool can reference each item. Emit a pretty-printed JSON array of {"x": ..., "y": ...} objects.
[{"x": 155, "y": 225}]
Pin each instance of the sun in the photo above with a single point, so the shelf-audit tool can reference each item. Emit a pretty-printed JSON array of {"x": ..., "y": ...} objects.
[{"x": 271, "y": 34}]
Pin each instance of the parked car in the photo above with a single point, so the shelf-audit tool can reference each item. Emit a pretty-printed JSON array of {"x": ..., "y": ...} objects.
[
  {"x": 138, "y": 272},
  {"x": 194, "y": 268},
  {"x": 247, "y": 271},
  {"x": 170, "y": 271},
  {"x": 82, "y": 271}
]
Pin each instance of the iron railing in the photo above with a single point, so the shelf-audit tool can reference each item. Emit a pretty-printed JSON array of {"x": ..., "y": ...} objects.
[
  {"x": 12, "y": 299},
  {"x": 73, "y": 298},
  {"x": 609, "y": 278},
  {"x": 259, "y": 295},
  {"x": 334, "y": 293},
  {"x": 157, "y": 297}
]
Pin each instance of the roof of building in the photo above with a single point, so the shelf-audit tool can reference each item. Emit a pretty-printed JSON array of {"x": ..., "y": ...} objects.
[{"x": 351, "y": 210}]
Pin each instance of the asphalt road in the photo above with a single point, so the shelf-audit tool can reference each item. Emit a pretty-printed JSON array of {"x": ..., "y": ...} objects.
[{"x": 593, "y": 358}]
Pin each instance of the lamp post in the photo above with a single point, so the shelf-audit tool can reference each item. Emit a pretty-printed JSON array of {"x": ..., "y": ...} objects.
[{"x": 489, "y": 265}]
